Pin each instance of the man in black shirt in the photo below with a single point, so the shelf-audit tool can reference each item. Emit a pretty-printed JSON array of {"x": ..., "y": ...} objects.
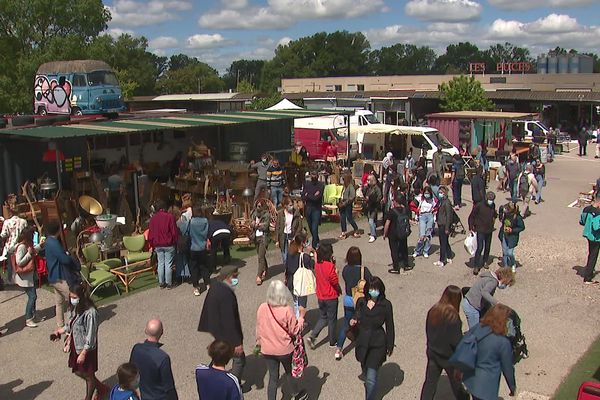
[
  {"x": 397, "y": 230},
  {"x": 219, "y": 235},
  {"x": 312, "y": 194}
]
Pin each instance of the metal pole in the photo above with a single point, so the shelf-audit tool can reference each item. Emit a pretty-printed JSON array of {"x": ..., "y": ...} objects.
[
  {"x": 58, "y": 176},
  {"x": 348, "y": 141}
]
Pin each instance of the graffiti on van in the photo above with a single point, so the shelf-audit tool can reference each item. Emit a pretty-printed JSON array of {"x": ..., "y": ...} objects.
[{"x": 54, "y": 94}]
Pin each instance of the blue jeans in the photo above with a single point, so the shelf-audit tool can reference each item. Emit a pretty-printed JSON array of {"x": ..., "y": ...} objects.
[
  {"x": 457, "y": 191},
  {"x": 347, "y": 217},
  {"x": 299, "y": 301},
  {"x": 508, "y": 255},
  {"x": 471, "y": 313},
  {"x": 514, "y": 190},
  {"x": 165, "y": 256},
  {"x": 31, "y": 298},
  {"x": 370, "y": 383},
  {"x": 540, "y": 183},
  {"x": 328, "y": 310},
  {"x": 276, "y": 195},
  {"x": 284, "y": 247},
  {"x": 425, "y": 232},
  {"x": 348, "y": 314},
  {"x": 372, "y": 217},
  {"x": 313, "y": 218},
  {"x": 551, "y": 150},
  {"x": 182, "y": 269}
]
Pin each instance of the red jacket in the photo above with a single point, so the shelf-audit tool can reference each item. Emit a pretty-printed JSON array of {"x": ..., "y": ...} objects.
[
  {"x": 328, "y": 283},
  {"x": 163, "y": 230}
]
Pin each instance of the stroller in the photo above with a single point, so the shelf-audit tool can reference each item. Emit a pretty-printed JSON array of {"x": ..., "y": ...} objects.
[{"x": 456, "y": 228}]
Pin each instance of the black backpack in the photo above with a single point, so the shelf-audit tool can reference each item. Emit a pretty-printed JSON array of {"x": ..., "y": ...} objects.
[{"x": 401, "y": 224}]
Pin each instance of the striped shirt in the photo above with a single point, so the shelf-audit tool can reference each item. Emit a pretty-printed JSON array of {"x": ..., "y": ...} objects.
[
  {"x": 214, "y": 384},
  {"x": 275, "y": 176}
]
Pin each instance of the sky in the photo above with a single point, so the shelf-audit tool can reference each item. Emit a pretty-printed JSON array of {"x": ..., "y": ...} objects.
[{"x": 221, "y": 31}]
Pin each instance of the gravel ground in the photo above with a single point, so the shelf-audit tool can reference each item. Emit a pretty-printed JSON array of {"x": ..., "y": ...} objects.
[{"x": 559, "y": 313}]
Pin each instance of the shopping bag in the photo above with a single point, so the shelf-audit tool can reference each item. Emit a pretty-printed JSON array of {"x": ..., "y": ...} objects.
[
  {"x": 471, "y": 243},
  {"x": 304, "y": 280}
]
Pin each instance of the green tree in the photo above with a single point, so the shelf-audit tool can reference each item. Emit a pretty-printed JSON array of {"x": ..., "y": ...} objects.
[
  {"x": 402, "y": 59},
  {"x": 262, "y": 103},
  {"x": 244, "y": 70},
  {"x": 324, "y": 54},
  {"x": 196, "y": 77},
  {"x": 504, "y": 53},
  {"x": 457, "y": 58},
  {"x": 464, "y": 93},
  {"x": 245, "y": 87},
  {"x": 128, "y": 83}
]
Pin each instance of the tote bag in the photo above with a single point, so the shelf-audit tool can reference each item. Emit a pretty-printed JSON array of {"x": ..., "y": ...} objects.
[{"x": 305, "y": 282}]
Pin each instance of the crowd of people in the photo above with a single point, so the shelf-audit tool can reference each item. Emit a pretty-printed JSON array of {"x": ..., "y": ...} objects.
[{"x": 409, "y": 194}]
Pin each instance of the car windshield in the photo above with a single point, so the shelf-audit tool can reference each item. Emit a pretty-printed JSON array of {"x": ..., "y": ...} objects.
[
  {"x": 371, "y": 118},
  {"x": 543, "y": 126},
  {"x": 102, "y": 78},
  {"x": 438, "y": 140}
]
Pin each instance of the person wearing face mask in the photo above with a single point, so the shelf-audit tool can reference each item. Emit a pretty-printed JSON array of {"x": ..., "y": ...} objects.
[
  {"x": 445, "y": 217},
  {"x": 299, "y": 154},
  {"x": 276, "y": 181},
  {"x": 478, "y": 186},
  {"x": 261, "y": 169},
  {"x": 129, "y": 382},
  {"x": 289, "y": 224},
  {"x": 480, "y": 296},
  {"x": 373, "y": 198},
  {"x": 221, "y": 316},
  {"x": 481, "y": 221},
  {"x": 260, "y": 222},
  {"x": 512, "y": 226},
  {"x": 426, "y": 210},
  {"x": 346, "y": 208},
  {"x": 83, "y": 341},
  {"x": 374, "y": 342},
  {"x": 312, "y": 195},
  {"x": 513, "y": 170}
]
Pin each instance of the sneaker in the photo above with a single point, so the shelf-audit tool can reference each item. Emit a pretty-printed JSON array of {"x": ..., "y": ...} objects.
[
  {"x": 394, "y": 271},
  {"x": 371, "y": 239},
  {"x": 514, "y": 268},
  {"x": 591, "y": 282},
  {"x": 196, "y": 292},
  {"x": 29, "y": 323},
  {"x": 311, "y": 342},
  {"x": 476, "y": 271},
  {"x": 438, "y": 264},
  {"x": 333, "y": 346},
  {"x": 169, "y": 287},
  {"x": 415, "y": 255},
  {"x": 448, "y": 261},
  {"x": 425, "y": 255},
  {"x": 302, "y": 395},
  {"x": 162, "y": 286},
  {"x": 338, "y": 354}
]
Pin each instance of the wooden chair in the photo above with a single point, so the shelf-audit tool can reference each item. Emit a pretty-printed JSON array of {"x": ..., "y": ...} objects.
[{"x": 137, "y": 261}]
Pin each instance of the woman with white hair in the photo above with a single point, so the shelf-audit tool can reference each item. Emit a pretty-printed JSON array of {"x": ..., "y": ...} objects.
[{"x": 276, "y": 328}]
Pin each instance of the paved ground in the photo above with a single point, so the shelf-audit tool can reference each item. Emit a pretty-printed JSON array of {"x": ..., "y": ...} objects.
[{"x": 559, "y": 313}]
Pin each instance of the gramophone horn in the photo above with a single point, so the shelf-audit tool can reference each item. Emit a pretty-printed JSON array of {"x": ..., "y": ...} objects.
[{"x": 90, "y": 205}]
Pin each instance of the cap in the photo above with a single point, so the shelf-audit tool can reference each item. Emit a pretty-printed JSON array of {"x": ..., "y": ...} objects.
[
  {"x": 389, "y": 154},
  {"x": 490, "y": 196},
  {"x": 228, "y": 271}
]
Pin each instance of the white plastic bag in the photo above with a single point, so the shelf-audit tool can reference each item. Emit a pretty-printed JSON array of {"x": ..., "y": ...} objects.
[
  {"x": 305, "y": 283},
  {"x": 471, "y": 243}
]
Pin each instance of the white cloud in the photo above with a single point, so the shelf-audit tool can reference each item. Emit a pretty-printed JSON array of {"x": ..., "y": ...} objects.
[
  {"x": 438, "y": 36},
  {"x": 132, "y": 13},
  {"x": 116, "y": 32},
  {"x": 235, "y": 4},
  {"x": 502, "y": 29},
  {"x": 281, "y": 14},
  {"x": 553, "y": 23},
  {"x": 163, "y": 42},
  {"x": 284, "y": 41},
  {"x": 443, "y": 10},
  {"x": 529, "y": 4},
  {"x": 206, "y": 41}
]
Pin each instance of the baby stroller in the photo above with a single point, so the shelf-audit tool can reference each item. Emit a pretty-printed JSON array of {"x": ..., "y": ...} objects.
[{"x": 456, "y": 227}]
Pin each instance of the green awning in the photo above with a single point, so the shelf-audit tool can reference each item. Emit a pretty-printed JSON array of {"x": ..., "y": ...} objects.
[{"x": 152, "y": 123}]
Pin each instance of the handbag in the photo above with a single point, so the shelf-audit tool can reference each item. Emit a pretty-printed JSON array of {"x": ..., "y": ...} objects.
[
  {"x": 184, "y": 243},
  {"x": 352, "y": 333},
  {"x": 299, "y": 356},
  {"x": 304, "y": 279},
  {"x": 27, "y": 268}
]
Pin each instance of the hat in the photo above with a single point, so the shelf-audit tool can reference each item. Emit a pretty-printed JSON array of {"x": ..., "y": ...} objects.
[
  {"x": 490, "y": 196},
  {"x": 228, "y": 271},
  {"x": 389, "y": 154}
]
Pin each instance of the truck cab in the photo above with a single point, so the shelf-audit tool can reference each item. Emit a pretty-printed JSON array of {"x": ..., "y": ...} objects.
[
  {"x": 529, "y": 131},
  {"x": 77, "y": 88}
]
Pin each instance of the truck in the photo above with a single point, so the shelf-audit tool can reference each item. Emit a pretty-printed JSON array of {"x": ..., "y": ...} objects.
[
  {"x": 77, "y": 87},
  {"x": 316, "y": 133}
]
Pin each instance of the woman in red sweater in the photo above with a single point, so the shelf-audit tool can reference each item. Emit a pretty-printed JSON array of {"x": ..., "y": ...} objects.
[{"x": 328, "y": 290}]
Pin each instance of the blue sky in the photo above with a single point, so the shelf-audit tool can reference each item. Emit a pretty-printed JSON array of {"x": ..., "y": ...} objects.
[{"x": 220, "y": 31}]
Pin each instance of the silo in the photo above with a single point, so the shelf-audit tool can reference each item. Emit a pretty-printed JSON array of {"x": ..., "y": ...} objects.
[
  {"x": 563, "y": 64},
  {"x": 552, "y": 64},
  {"x": 542, "y": 64},
  {"x": 586, "y": 64},
  {"x": 574, "y": 64}
]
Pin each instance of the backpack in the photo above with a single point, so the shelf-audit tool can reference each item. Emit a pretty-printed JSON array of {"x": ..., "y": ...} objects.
[
  {"x": 402, "y": 225},
  {"x": 523, "y": 184},
  {"x": 465, "y": 355},
  {"x": 358, "y": 291}
]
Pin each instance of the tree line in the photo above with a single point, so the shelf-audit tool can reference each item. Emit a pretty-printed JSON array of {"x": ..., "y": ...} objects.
[{"x": 32, "y": 33}]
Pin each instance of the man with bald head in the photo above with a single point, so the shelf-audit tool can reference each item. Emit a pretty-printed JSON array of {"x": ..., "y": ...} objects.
[{"x": 154, "y": 365}]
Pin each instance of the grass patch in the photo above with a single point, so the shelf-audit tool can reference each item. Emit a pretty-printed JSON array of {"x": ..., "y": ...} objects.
[{"x": 586, "y": 369}]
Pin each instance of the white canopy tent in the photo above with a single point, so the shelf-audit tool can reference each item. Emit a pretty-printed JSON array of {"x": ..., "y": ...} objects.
[{"x": 284, "y": 104}]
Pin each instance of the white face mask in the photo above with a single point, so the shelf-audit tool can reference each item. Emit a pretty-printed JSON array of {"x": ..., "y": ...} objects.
[{"x": 74, "y": 302}]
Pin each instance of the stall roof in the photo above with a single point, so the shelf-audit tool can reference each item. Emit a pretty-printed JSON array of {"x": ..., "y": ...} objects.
[
  {"x": 480, "y": 115},
  {"x": 155, "y": 123},
  {"x": 382, "y": 129}
]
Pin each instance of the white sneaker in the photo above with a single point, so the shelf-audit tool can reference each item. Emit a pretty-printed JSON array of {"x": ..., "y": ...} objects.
[
  {"x": 514, "y": 269},
  {"x": 338, "y": 355},
  {"x": 371, "y": 239},
  {"x": 29, "y": 323},
  {"x": 425, "y": 255},
  {"x": 196, "y": 292},
  {"x": 449, "y": 261},
  {"x": 438, "y": 264},
  {"x": 415, "y": 255}
]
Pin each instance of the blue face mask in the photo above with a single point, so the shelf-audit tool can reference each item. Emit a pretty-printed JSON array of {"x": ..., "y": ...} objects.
[
  {"x": 374, "y": 293},
  {"x": 502, "y": 286},
  {"x": 234, "y": 282}
]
